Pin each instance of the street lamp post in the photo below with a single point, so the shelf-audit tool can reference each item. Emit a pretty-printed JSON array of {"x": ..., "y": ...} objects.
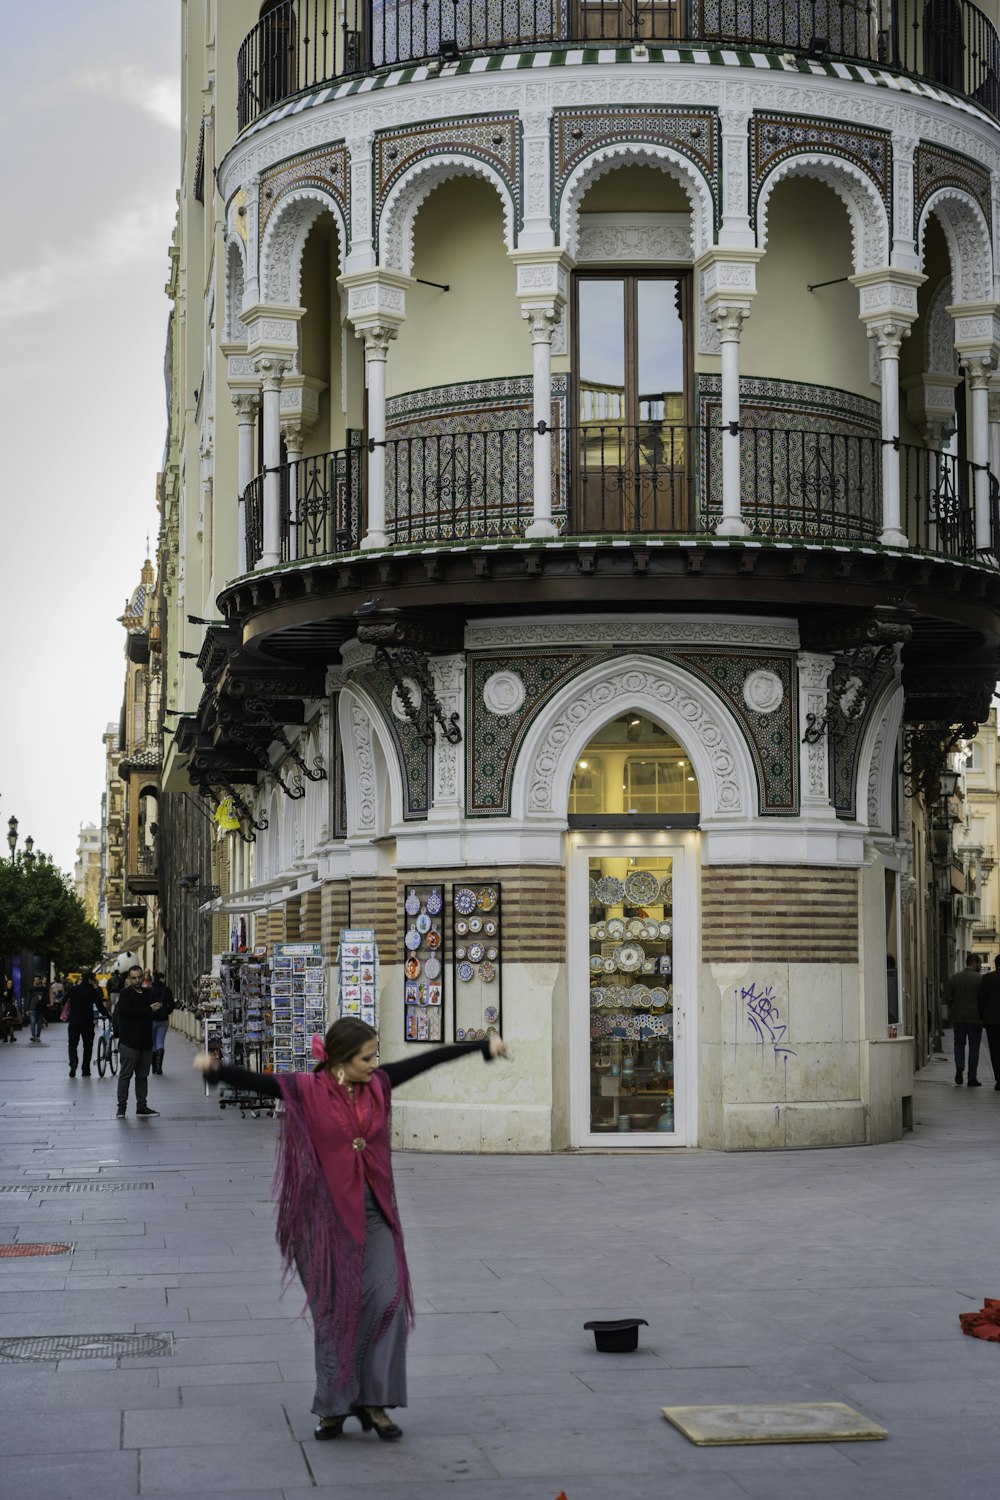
[{"x": 12, "y": 837}]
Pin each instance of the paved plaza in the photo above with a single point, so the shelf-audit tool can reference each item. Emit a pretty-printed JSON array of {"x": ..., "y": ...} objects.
[{"x": 818, "y": 1275}]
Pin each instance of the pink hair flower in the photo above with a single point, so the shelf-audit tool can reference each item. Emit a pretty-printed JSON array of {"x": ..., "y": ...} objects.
[{"x": 318, "y": 1050}]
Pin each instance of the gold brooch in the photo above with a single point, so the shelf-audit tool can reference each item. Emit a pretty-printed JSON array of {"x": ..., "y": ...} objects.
[{"x": 358, "y": 1143}]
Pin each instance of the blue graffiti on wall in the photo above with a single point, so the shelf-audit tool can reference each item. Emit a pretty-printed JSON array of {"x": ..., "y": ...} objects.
[{"x": 764, "y": 1016}]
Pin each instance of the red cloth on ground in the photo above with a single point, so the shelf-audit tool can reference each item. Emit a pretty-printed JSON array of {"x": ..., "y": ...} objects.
[{"x": 984, "y": 1324}]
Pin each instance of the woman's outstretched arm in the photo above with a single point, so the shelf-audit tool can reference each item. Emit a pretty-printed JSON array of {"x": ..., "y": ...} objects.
[
  {"x": 237, "y": 1078},
  {"x": 410, "y": 1067}
]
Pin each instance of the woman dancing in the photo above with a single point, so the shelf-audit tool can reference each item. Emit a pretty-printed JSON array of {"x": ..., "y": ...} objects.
[{"x": 338, "y": 1224}]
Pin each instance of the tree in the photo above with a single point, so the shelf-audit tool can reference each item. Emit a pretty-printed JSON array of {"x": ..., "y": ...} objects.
[{"x": 40, "y": 913}]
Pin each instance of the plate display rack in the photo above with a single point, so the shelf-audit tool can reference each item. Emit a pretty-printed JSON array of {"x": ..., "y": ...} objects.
[
  {"x": 477, "y": 960},
  {"x": 423, "y": 963}
]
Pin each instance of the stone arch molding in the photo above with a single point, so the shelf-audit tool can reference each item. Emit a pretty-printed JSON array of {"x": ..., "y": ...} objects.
[
  {"x": 855, "y": 189},
  {"x": 360, "y": 725},
  {"x": 664, "y": 692},
  {"x": 968, "y": 238},
  {"x": 408, "y": 195},
  {"x": 637, "y": 154},
  {"x": 285, "y": 242},
  {"x": 235, "y": 287},
  {"x": 877, "y": 760}
]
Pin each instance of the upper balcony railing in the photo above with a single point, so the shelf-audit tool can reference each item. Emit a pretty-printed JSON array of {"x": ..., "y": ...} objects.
[
  {"x": 657, "y": 479},
  {"x": 302, "y": 44}
]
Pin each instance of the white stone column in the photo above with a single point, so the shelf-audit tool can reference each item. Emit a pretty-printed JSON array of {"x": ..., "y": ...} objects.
[
  {"x": 994, "y": 401},
  {"x": 735, "y": 231},
  {"x": 729, "y": 321},
  {"x": 542, "y": 291},
  {"x": 272, "y": 372},
  {"x": 247, "y": 405},
  {"x": 889, "y": 339},
  {"x": 294, "y": 434},
  {"x": 978, "y": 370},
  {"x": 377, "y": 340}
]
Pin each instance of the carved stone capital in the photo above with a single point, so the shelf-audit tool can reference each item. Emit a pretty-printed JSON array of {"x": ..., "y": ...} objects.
[
  {"x": 272, "y": 369},
  {"x": 888, "y": 337},
  {"x": 728, "y": 319},
  {"x": 246, "y": 404},
  {"x": 377, "y": 338},
  {"x": 978, "y": 368},
  {"x": 542, "y": 322}
]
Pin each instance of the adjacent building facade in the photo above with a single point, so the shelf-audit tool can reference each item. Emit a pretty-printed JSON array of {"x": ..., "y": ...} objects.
[
  {"x": 582, "y": 537},
  {"x": 87, "y": 870}
]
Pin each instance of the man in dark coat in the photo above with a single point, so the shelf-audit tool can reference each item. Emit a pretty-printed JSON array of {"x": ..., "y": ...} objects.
[
  {"x": 81, "y": 999},
  {"x": 134, "y": 1015},
  {"x": 989, "y": 1014},
  {"x": 961, "y": 996}
]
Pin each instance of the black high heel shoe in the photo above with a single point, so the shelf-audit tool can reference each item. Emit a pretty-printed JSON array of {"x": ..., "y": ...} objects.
[
  {"x": 329, "y": 1427},
  {"x": 387, "y": 1430}
]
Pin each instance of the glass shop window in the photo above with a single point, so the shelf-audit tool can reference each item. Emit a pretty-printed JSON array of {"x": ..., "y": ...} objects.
[{"x": 634, "y": 766}]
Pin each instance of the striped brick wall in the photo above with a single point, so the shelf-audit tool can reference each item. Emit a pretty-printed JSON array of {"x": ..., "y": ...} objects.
[
  {"x": 310, "y": 917},
  {"x": 782, "y": 913},
  {"x": 374, "y": 904},
  {"x": 335, "y": 908}
]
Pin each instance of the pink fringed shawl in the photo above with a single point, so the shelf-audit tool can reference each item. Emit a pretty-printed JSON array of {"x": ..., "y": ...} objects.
[{"x": 320, "y": 1189}]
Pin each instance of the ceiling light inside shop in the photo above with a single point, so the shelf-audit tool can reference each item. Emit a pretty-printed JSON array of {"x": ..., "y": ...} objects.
[{"x": 582, "y": 764}]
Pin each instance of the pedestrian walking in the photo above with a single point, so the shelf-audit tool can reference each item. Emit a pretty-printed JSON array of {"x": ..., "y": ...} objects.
[
  {"x": 81, "y": 998},
  {"x": 338, "y": 1224},
  {"x": 133, "y": 1016},
  {"x": 38, "y": 999},
  {"x": 989, "y": 1015},
  {"x": 9, "y": 1016},
  {"x": 961, "y": 995},
  {"x": 160, "y": 991}
]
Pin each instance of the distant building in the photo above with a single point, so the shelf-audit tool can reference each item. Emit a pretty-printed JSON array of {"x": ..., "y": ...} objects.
[{"x": 87, "y": 870}]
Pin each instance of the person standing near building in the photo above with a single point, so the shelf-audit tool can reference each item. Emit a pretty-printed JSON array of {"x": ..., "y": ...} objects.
[
  {"x": 38, "y": 999},
  {"x": 81, "y": 999},
  {"x": 961, "y": 996},
  {"x": 134, "y": 1016},
  {"x": 9, "y": 1017},
  {"x": 160, "y": 992},
  {"x": 989, "y": 1015}
]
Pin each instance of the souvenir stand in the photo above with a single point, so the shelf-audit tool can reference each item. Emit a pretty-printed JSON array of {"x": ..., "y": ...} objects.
[
  {"x": 477, "y": 961},
  {"x": 246, "y": 1031},
  {"x": 423, "y": 964},
  {"x": 298, "y": 1004},
  {"x": 357, "y": 959}
]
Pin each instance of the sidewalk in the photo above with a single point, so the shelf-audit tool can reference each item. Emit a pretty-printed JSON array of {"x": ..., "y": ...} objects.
[{"x": 823, "y": 1275}]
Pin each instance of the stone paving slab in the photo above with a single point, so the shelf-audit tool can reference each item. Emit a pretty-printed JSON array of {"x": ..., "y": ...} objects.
[{"x": 828, "y": 1275}]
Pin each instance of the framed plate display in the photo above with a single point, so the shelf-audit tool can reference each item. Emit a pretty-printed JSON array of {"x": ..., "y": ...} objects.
[
  {"x": 641, "y": 887},
  {"x": 629, "y": 957},
  {"x": 476, "y": 994},
  {"x": 423, "y": 994}
]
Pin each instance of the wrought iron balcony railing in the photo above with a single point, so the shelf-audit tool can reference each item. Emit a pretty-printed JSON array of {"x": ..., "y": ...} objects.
[
  {"x": 302, "y": 44},
  {"x": 609, "y": 479}
]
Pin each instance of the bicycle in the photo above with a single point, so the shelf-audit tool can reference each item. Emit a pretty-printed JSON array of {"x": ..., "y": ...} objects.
[{"x": 107, "y": 1051}]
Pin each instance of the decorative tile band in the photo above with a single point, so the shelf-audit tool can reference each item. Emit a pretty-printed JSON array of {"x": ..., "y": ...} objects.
[{"x": 935, "y": 167}]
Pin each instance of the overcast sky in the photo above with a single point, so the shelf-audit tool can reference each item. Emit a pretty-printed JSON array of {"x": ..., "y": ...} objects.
[{"x": 89, "y": 162}]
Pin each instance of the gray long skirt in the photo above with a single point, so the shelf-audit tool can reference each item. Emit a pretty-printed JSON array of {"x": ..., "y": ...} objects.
[{"x": 379, "y": 1375}]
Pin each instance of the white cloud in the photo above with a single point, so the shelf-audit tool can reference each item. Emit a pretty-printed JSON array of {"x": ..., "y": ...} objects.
[
  {"x": 158, "y": 95},
  {"x": 61, "y": 272}
]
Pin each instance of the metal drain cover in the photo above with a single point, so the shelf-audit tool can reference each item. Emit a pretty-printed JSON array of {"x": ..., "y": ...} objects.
[
  {"x": 86, "y": 1346},
  {"x": 12, "y": 1252},
  {"x": 72, "y": 1187}
]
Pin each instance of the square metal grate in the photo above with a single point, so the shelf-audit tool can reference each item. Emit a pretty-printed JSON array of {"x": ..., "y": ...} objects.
[
  {"x": 13, "y": 1252},
  {"x": 86, "y": 1346},
  {"x": 73, "y": 1187}
]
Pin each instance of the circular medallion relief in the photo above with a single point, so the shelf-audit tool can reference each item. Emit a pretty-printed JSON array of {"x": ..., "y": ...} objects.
[
  {"x": 503, "y": 693},
  {"x": 763, "y": 692},
  {"x": 413, "y": 688}
]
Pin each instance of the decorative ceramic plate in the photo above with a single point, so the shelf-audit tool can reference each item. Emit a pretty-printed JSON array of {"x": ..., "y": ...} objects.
[
  {"x": 635, "y": 928},
  {"x": 487, "y": 972},
  {"x": 459, "y": 952},
  {"x": 491, "y": 1030},
  {"x": 423, "y": 922},
  {"x": 481, "y": 1034},
  {"x": 592, "y": 892},
  {"x": 593, "y": 929},
  {"x": 465, "y": 901},
  {"x": 641, "y": 887},
  {"x": 432, "y": 967},
  {"x": 475, "y": 924},
  {"x": 475, "y": 952},
  {"x": 602, "y": 931},
  {"x": 658, "y": 997},
  {"x": 490, "y": 929},
  {"x": 666, "y": 930},
  {"x": 629, "y": 957},
  {"x": 412, "y": 904},
  {"x": 434, "y": 902},
  {"x": 597, "y": 995},
  {"x": 596, "y": 962},
  {"x": 433, "y": 938},
  {"x": 649, "y": 966},
  {"x": 460, "y": 1033},
  {"x": 650, "y": 931},
  {"x": 461, "y": 928},
  {"x": 491, "y": 1013},
  {"x": 487, "y": 898},
  {"x": 465, "y": 971},
  {"x": 616, "y": 928},
  {"x": 609, "y": 966},
  {"x": 412, "y": 968},
  {"x": 667, "y": 890},
  {"x": 609, "y": 890},
  {"x": 493, "y": 954},
  {"x": 413, "y": 938},
  {"x": 638, "y": 996}
]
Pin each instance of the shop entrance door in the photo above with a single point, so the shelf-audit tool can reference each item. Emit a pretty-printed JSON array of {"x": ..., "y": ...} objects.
[{"x": 630, "y": 952}]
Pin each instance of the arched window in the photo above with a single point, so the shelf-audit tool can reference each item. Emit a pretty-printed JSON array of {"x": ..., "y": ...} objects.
[
  {"x": 976, "y": 761},
  {"x": 634, "y": 768}
]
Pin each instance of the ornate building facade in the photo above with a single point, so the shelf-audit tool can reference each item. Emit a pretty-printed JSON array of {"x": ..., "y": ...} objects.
[
  {"x": 587, "y": 499},
  {"x": 87, "y": 869}
]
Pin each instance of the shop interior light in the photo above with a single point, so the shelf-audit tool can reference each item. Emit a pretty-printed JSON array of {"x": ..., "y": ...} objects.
[{"x": 583, "y": 764}]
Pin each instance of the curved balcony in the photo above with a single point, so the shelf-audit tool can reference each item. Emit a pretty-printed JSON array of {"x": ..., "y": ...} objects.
[
  {"x": 609, "y": 480},
  {"x": 303, "y": 44}
]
